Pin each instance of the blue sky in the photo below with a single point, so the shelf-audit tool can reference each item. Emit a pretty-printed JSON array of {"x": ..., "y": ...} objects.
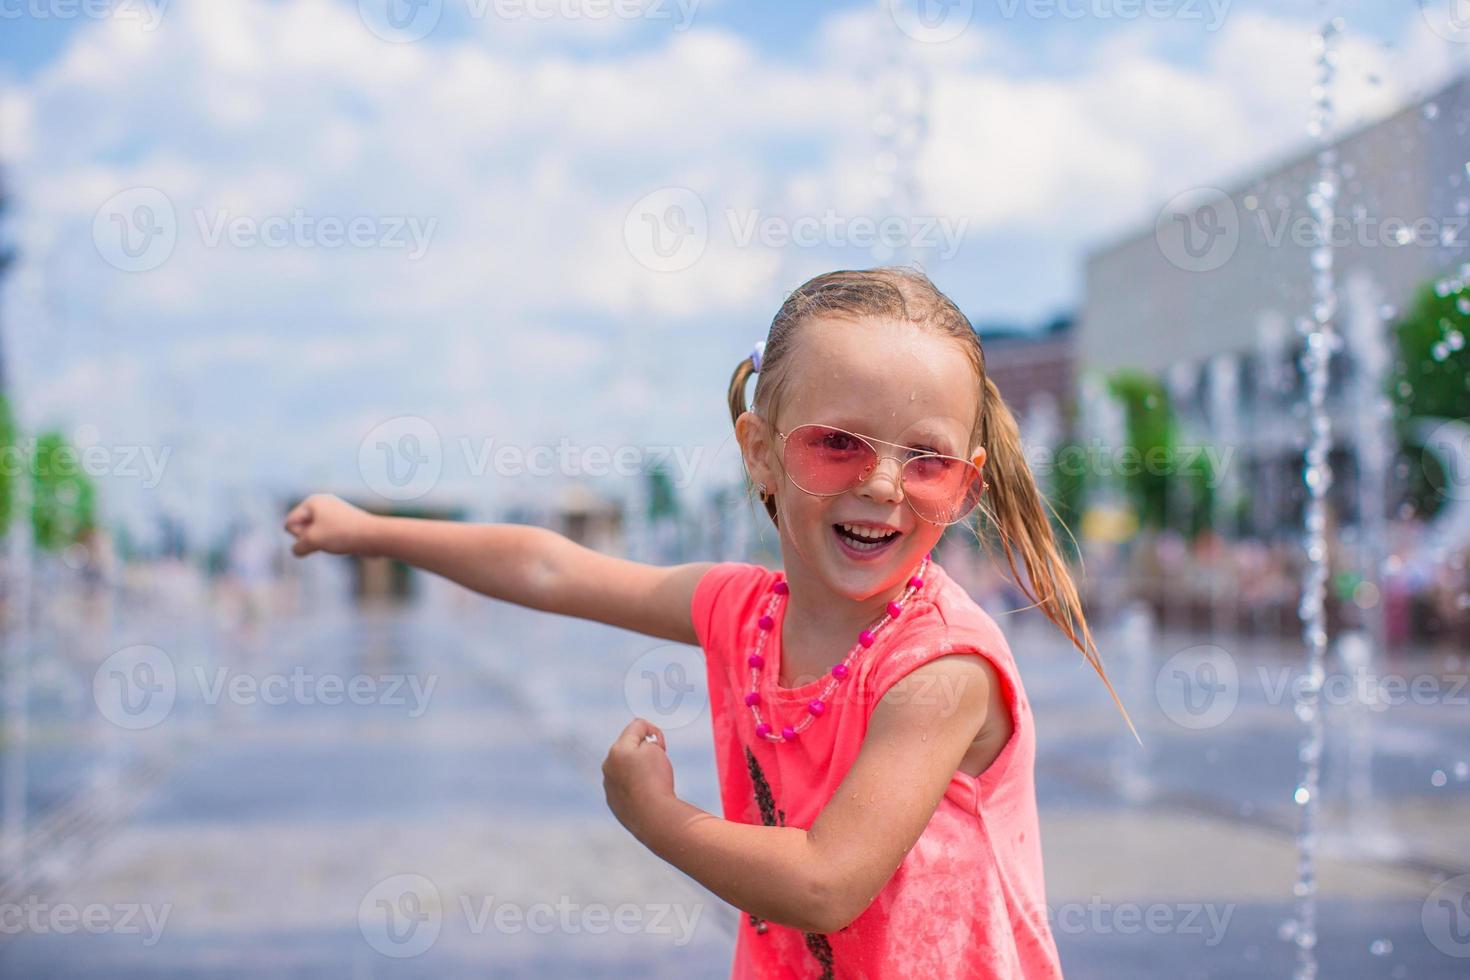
[{"x": 501, "y": 169}]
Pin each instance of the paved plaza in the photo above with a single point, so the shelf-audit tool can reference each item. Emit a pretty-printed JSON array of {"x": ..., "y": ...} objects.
[{"x": 457, "y": 828}]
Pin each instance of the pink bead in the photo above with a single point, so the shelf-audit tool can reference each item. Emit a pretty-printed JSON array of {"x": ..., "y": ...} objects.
[
  {"x": 752, "y": 699},
  {"x": 839, "y": 671},
  {"x": 916, "y": 582},
  {"x": 762, "y": 730},
  {"x": 788, "y": 733},
  {"x": 894, "y": 609},
  {"x": 780, "y": 588},
  {"x": 816, "y": 706},
  {"x": 866, "y": 638},
  {"x": 756, "y": 660},
  {"x": 765, "y": 622}
]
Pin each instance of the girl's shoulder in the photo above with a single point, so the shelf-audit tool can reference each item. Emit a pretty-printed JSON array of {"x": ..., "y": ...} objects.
[
  {"x": 725, "y": 595},
  {"x": 943, "y": 620},
  {"x": 954, "y": 613}
]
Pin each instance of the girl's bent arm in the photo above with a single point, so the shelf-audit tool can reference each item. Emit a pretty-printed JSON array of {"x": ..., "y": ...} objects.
[
  {"x": 541, "y": 569},
  {"x": 819, "y": 880}
]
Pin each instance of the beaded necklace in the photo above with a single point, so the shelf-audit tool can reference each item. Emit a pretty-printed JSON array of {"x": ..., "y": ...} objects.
[{"x": 840, "y": 672}]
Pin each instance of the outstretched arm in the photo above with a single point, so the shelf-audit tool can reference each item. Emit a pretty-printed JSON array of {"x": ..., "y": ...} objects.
[
  {"x": 526, "y": 565},
  {"x": 817, "y": 880}
]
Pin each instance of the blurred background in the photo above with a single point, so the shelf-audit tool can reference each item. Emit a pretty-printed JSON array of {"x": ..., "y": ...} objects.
[{"x": 495, "y": 260}]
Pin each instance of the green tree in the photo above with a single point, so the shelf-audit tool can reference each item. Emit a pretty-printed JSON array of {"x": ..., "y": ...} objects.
[
  {"x": 63, "y": 505},
  {"x": 1149, "y": 425},
  {"x": 662, "y": 501},
  {"x": 11, "y": 465},
  {"x": 1431, "y": 379},
  {"x": 1155, "y": 463}
]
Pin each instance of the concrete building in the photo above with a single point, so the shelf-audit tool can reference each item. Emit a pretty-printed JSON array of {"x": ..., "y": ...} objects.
[
  {"x": 1035, "y": 372},
  {"x": 1209, "y": 296},
  {"x": 1201, "y": 279}
]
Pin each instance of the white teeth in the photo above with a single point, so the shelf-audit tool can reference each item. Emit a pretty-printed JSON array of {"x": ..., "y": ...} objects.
[{"x": 867, "y": 533}]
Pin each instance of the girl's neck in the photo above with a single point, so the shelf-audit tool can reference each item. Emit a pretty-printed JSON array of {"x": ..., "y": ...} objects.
[{"x": 815, "y": 610}]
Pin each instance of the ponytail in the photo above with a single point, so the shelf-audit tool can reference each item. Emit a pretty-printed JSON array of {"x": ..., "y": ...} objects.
[
  {"x": 743, "y": 372},
  {"x": 1018, "y": 511}
]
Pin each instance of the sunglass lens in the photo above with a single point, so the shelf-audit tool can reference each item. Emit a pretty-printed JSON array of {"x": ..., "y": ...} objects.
[
  {"x": 821, "y": 459},
  {"x": 942, "y": 489}
]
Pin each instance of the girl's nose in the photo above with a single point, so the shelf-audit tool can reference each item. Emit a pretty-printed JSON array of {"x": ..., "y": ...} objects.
[{"x": 883, "y": 483}]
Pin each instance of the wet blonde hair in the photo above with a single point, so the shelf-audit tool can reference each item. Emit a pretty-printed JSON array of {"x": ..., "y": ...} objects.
[{"x": 1013, "y": 502}]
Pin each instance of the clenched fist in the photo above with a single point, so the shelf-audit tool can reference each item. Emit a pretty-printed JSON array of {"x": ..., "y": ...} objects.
[{"x": 325, "y": 522}]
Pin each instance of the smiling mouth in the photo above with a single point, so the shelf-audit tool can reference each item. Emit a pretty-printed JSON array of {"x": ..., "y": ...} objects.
[{"x": 864, "y": 540}]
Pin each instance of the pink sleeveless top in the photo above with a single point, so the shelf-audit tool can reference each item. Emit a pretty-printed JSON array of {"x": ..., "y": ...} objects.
[{"x": 968, "y": 900}]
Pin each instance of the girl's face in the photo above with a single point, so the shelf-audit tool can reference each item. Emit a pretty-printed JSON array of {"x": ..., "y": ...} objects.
[{"x": 893, "y": 382}]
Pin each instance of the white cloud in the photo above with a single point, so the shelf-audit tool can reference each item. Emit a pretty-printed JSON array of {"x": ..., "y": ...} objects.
[{"x": 527, "y": 147}]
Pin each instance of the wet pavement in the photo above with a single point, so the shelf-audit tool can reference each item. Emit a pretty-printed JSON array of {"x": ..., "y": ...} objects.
[{"x": 448, "y": 818}]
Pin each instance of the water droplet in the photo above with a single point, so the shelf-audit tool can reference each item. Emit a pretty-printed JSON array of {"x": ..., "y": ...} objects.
[
  {"x": 1438, "y": 778},
  {"x": 1380, "y": 947},
  {"x": 1462, "y": 771}
]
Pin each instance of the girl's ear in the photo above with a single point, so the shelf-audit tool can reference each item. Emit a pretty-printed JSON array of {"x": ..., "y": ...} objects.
[
  {"x": 979, "y": 458},
  {"x": 756, "y": 448}
]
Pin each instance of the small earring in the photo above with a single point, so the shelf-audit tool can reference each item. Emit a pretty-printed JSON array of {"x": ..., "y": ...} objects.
[{"x": 763, "y": 493}]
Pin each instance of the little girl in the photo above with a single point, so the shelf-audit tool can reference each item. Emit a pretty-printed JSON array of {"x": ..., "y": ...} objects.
[{"x": 873, "y": 739}]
